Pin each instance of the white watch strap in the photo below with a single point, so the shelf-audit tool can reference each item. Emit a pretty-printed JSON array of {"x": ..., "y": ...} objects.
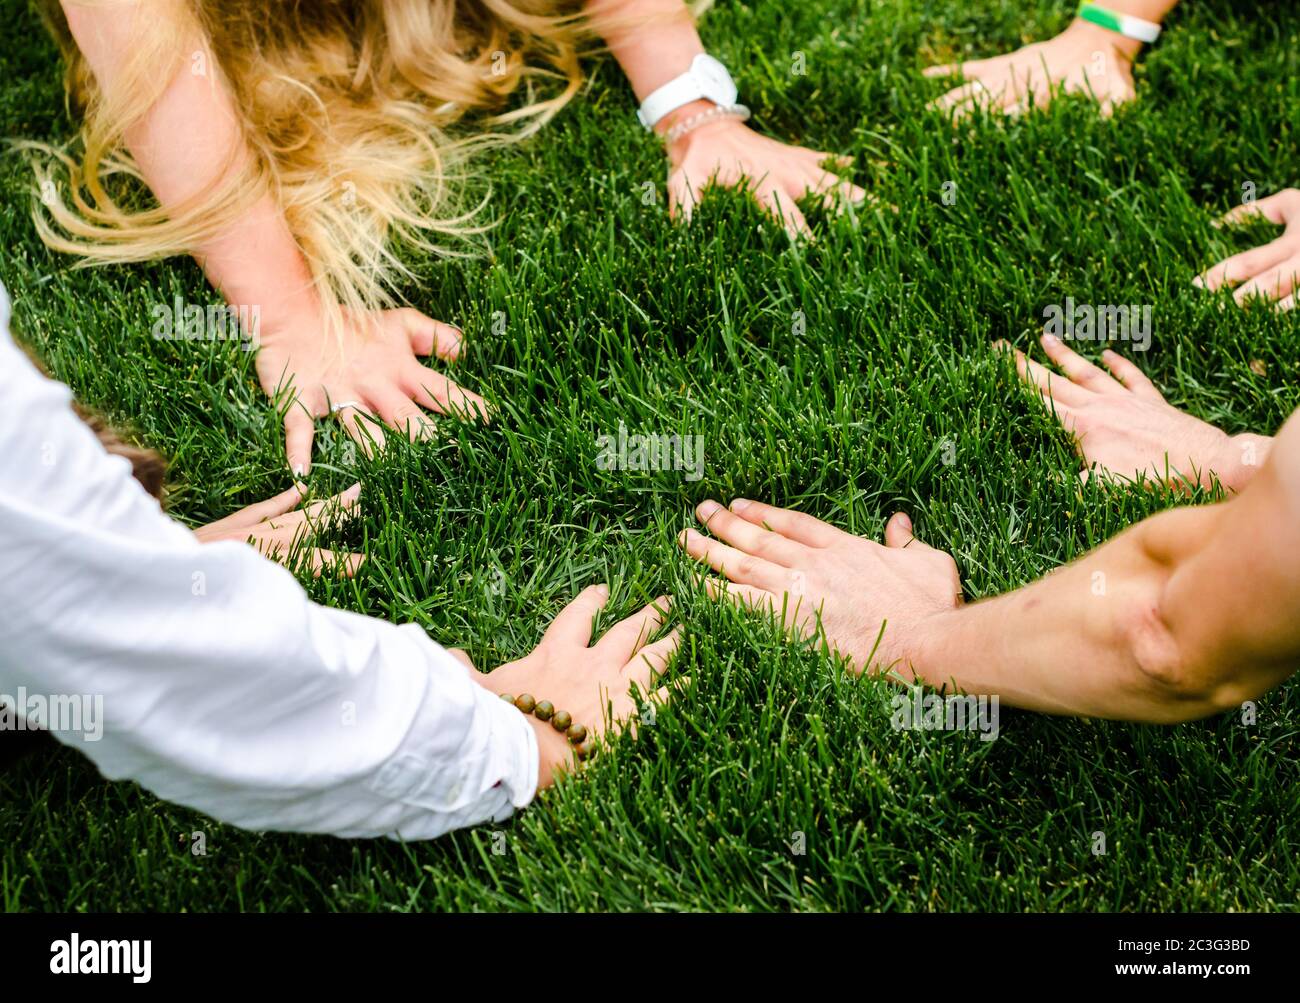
[{"x": 707, "y": 78}]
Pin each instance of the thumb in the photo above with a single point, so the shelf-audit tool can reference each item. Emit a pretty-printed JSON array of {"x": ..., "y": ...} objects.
[{"x": 898, "y": 531}]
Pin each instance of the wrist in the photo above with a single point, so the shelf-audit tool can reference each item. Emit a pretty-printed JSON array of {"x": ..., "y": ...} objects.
[
  {"x": 1239, "y": 460},
  {"x": 1104, "y": 39},
  {"x": 676, "y": 148}
]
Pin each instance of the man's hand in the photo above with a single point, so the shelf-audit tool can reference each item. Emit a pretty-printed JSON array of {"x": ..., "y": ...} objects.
[
  {"x": 1270, "y": 272},
  {"x": 1083, "y": 59},
  {"x": 278, "y": 528},
  {"x": 371, "y": 367},
  {"x": 807, "y": 572},
  {"x": 728, "y": 154},
  {"x": 1123, "y": 427},
  {"x": 587, "y": 679}
]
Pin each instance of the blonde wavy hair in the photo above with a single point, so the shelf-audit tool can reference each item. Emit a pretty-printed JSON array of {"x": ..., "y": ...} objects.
[{"x": 360, "y": 115}]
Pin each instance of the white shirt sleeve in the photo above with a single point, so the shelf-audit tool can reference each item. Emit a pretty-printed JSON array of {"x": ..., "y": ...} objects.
[{"x": 220, "y": 685}]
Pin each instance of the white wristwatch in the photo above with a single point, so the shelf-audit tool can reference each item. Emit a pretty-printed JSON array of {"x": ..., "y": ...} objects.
[{"x": 707, "y": 79}]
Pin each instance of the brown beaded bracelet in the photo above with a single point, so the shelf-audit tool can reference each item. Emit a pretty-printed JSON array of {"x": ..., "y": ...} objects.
[{"x": 583, "y": 747}]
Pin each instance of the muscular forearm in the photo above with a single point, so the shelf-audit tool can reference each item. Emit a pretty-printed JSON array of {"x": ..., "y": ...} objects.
[
  {"x": 189, "y": 143},
  {"x": 1190, "y": 612},
  {"x": 1087, "y": 639}
]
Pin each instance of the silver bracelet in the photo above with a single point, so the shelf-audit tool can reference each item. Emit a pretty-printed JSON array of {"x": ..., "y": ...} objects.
[{"x": 737, "y": 111}]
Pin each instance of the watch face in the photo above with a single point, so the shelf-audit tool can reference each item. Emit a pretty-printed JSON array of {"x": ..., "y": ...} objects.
[{"x": 714, "y": 80}]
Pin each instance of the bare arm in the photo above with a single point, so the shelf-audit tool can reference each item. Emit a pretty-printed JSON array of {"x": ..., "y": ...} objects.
[
  {"x": 1189, "y": 612},
  {"x": 655, "y": 41},
  {"x": 190, "y": 140}
]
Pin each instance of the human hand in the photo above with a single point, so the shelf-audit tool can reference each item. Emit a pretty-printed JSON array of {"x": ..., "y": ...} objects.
[
  {"x": 1083, "y": 59},
  {"x": 1123, "y": 426},
  {"x": 871, "y": 601},
  {"x": 1270, "y": 272},
  {"x": 366, "y": 375},
  {"x": 728, "y": 154},
  {"x": 586, "y": 679},
  {"x": 277, "y": 528}
]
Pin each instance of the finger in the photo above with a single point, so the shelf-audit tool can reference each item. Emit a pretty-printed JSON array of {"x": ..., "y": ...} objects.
[
  {"x": 747, "y": 536},
  {"x": 1272, "y": 285},
  {"x": 664, "y": 695},
  {"x": 975, "y": 92},
  {"x": 437, "y": 393},
  {"x": 322, "y": 561},
  {"x": 572, "y": 627},
  {"x": 898, "y": 531},
  {"x": 401, "y": 412},
  {"x": 738, "y": 566},
  {"x": 1078, "y": 369},
  {"x": 742, "y": 595},
  {"x": 284, "y": 502},
  {"x": 971, "y": 69},
  {"x": 682, "y": 196},
  {"x": 1136, "y": 381},
  {"x": 797, "y": 526},
  {"x": 430, "y": 336},
  {"x": 1051, "y": 386},
  {"x": 364, "y": 428},
  {"x": 838, "y": 161},
  {"x": 1276, "y": 209},
  {"x": 299, "y": 430},
  {"x": 623, "y": 639},
  {"x": 942, "y": 70},
  {"x": 1243, "y": 266},
  {"x": 781, "y": 205},
  {"x": 462, "y": 656},
  {"x": 332, "y": 512},
  {"x": 835, "y": 192},
  {"x": 651, "y": 661}
]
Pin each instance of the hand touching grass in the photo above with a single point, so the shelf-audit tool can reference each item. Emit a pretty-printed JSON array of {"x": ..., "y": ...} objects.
[
  {"x": 1123, "y": 427},
  {"x": 585, "y": 679},
  {"x": 367, "y": 377},
  {"x": 728, "y": 154},
  {"x": 1270, "y": 272},
  {"x": 1083, "y": 59},
  {"x": 278, "y": 528},
  {"x": 809, "y": 574}
]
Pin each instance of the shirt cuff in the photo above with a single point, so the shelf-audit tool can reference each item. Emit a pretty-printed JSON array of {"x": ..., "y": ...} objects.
[{"x": 512, "y": 745}]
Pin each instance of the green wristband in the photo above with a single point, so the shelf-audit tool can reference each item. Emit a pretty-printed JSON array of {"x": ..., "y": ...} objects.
[{"x": 1123, "y": 24}]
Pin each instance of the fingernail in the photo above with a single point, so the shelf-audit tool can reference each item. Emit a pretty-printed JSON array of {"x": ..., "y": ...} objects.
[
  {"x": 297, "y": 470},
  {"x": 1051, "y": 339},
  {"x": 906, "y": 521},
  {"x": 352, "y": 493},
  {"x": 706, "y": 510},
  {"x": 602, "y": 590},
  {"x": 1198, "y": 282},
  {"x": 739, "y": 504}
]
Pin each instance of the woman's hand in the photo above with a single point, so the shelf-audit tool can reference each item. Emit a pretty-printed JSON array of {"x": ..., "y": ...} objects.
[
  {"x": 727, "y": 153},
  {"x": 367, "y": 376},
  {"x": 278, "y": 528},
  {"x": 1123, "y": 427},
  {"x": 872, "y": 602},
  {"x": 1270, "y": 272},
  {"x": 583, "y": 678},
  {"x": 1083, "y": 59}
]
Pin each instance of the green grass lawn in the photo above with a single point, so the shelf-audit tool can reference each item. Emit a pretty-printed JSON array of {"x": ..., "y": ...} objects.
[{"x": 614, "y": 315}]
